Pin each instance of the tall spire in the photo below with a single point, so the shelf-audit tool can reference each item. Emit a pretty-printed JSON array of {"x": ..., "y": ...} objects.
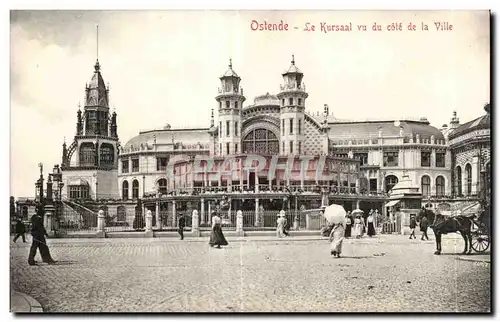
[{"x": 97, "y": 66}]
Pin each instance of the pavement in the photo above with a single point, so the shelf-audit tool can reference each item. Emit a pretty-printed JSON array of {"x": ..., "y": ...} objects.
[{"x": 387, "y": 273}]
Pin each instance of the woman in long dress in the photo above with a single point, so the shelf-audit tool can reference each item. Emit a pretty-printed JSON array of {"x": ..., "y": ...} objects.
[
  {"x": 336, "y": 239},
  {"x": 371, "y": 227},
  {"x": 358, "y": 226},
  {"x": 348, "y": 226},
  {"x": 280, "y": 225},
  {"x": 216, "y": 236}
]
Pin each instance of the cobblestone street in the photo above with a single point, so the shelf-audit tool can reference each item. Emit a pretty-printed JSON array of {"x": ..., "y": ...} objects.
[{"x": 387, "y": 273}]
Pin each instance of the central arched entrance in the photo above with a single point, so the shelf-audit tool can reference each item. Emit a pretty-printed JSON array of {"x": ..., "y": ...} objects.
[{"x": 261, "y": 141}]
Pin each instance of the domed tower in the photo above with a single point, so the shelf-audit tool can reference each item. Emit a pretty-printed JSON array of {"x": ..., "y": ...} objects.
[
  {"x": 92, "y": 157},
  {"x": 292, "y": 101},
  {"x": 230, "y": 99}
]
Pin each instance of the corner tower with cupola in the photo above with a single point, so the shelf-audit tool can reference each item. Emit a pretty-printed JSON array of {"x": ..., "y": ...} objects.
[
  {"x": 230, "y": 100},
  {"x": 90, "y": 163},
  {"x": 292, "y": 104}
]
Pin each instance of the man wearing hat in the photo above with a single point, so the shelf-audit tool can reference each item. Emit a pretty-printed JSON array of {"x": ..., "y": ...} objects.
[{"x": 182, "y": 224}]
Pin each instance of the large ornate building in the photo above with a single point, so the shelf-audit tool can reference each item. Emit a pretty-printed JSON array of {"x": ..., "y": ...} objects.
[{"x": 363, "y": 159}]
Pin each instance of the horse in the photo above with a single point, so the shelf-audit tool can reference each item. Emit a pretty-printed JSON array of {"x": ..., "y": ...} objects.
[{"x": 442, "y": 225}]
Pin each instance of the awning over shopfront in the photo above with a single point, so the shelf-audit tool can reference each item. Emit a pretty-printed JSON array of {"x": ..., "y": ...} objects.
[
  {"x": 392, "y": 203},
  {"x": 78, "y": 182}
]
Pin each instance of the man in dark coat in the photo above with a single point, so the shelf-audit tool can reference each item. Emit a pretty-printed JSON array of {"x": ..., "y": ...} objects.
[
  {"x": 413, "y": 225},
  {"x": 424, "y": 223},
  {"x": 20, "y": 230},
  {"x": 182, "y": 224},
  {"x": 38, "y": 232}
]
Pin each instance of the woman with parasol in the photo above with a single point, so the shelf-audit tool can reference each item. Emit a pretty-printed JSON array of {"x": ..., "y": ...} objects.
[
  {"x": 358, "y": 223},
  {"x": 336, "y": 216}
]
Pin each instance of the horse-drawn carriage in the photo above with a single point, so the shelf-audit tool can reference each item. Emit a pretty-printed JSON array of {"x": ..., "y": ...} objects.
[{"x": 475, "y": 227}]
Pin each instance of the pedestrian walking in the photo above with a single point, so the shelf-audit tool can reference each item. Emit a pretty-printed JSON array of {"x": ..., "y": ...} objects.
[
  {"x": 182, "y": 224},
  {"x": 20, "y": 230},
  {"x": 424, "y": 224},
  {"x": 348, "y": 226},
  {"x": 280, "y": 225},
  {"x": 336, "y": 239},
  {"x": 413, "y": 225},
  {"x": 216, "y": 236},
  {"x": 371, "y": 227},
  {"x": 286, "y": 226},
  {"x": 39, "y": 242}
]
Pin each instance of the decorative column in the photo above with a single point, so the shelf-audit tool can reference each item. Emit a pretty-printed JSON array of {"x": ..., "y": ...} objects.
[
  {"x": 239, "y": 224},
  {"x": 257, "y": 217},
  {"x": 101, "y": 224},
  {"x": 174, "y": 215},
  {"x": 256, "y": 182},
  {"x": 149, "y": 223},
  {"x": 202, "y": 210},
  {"x": 159, "y": 224},
  {"x": 195, "y": 230},
  {"x": 48, "y": 222}
]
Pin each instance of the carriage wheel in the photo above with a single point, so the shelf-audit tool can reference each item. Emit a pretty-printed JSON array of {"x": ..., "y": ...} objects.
[{"x": 481, "y": 242}]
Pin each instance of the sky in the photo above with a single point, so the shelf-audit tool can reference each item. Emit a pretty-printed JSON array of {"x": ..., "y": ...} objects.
[{"x": 164, "y": 67}]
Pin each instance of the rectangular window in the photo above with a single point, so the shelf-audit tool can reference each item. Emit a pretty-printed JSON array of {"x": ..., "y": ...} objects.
[
  {"x": 440, "y": 159},
  {"x": 235, "y": 104},
  {"x": 283, "y": 102},
  {"x": 425, "y": 159},
  {"x": 300, "y": 126},
  {"x": 227, "y": 148},
  {"x": 78, "y": 192},
  {"x": 161, "y": 163},
  {"x": 220, "y": 104},
  {"x": 228, "y": 126},
  {"x": 235, "y": 128},
  {"x": 228, "y": 104},
  {"x": 283, "y": 147},
  {"x": 290, "y": 100},
  {"x": 220, "y": 129},
  {"x": 299, "y": 148},
  {"x": 299, "y": 101},
  {"x": 362, "y": 156},
  {"x": 391, "y": 159},
  {"x": 125, "y": 166},
  {"x": 236, "y": 148},
  {"x": 283, "y": 127},
  {"x": 135, "y": 165},
  {"x": 291, "y": 126},
  {"x": 291, "y": 147}
]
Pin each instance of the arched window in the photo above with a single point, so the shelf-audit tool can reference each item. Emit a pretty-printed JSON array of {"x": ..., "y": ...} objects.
[
  {"x": 468, "y": 179},
  {"x": 426, "y": 185},
  {"x": 106, "y": 154},
  {"x": 105, "y": 209},
  {"x": 440, "y": 186},
  {"x": 125, "y": 190},
  {"x": 390, "y": 182},
  {"x": 261, "y": 141},
  {"x": 458, "y": 181},
  {"x": 87, "y": 154},
  {"x": 135, "y": 189},
  {"x": 162, "y": 186},
  {"x": 121, "y": 214}
]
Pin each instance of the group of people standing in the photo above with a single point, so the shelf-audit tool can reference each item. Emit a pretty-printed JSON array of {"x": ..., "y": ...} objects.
[{"x": 356, "y": 226}]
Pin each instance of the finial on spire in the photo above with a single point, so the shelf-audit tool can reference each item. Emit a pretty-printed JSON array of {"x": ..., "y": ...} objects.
[
  {"x": 79, "y": 106},
  {"x": 230, "y": 63},
  {"x": 64, "y": 141},
  {"x": 97, "y": 47},
  {"x": 293, "y": 59}
]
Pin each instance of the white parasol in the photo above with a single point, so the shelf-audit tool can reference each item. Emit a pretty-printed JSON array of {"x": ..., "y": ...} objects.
[
  {"x": 356, "y": 212},
  {"x": 335, "y": 214}
]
